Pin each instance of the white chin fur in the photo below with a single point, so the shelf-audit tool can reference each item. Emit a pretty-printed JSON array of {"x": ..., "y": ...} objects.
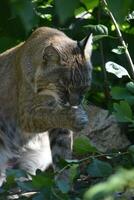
[
  {"x": 68, "y": 104},
  {"x": 75, "y": 107}
]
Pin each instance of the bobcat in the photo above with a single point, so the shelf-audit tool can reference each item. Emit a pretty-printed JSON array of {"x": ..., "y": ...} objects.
[{"x": 42, "y": 82}]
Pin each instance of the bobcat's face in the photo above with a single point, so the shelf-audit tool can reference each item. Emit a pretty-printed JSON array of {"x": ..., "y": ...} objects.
[
  {"x": 56, "y": 72},
  {"x": 76, "y": 80},
  {"x": 63, "y": 72}
]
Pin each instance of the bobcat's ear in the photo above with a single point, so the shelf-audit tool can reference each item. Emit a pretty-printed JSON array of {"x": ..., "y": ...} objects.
[
  {"x": 86, "y": 46},
  {"x": 51, "y": 54}
]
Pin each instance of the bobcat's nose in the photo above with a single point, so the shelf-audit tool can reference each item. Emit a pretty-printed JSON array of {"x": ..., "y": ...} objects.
[{"x": 75, "y": 99}]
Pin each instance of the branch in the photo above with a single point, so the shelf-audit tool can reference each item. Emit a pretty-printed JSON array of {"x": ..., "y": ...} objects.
[{"x": 121, "y": 39}]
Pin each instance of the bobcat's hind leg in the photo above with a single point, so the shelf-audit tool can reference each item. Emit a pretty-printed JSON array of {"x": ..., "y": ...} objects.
[{"x": 61, "y": 141}]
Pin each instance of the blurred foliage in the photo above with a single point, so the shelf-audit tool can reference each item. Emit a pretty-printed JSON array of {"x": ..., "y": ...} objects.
[
  {"x": 112, "y": 88},
  {"x": 116, "y": 183}
]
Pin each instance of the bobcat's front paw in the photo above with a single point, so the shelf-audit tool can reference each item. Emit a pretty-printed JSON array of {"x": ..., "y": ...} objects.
[{"x": 80, "y": 118}]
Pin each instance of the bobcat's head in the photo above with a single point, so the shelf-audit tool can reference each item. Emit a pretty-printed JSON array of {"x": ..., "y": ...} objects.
[{"x": 55, "y": 65}]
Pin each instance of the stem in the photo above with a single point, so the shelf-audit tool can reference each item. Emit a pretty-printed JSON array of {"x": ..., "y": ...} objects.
[
  {"x": 63, "y": 169},
  {"x": 121, "y": 39},
  {"x": 106, "y": 82},
  {"x": 102, "y": 155},
  {"x": 99, "y": 155}
]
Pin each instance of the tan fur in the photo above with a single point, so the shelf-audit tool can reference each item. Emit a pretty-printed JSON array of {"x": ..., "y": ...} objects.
[{"x": 35, "y": 77}]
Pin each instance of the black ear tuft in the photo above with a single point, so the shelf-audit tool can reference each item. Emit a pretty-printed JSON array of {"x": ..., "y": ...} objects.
[
  {"x": 86, "y": 45},
  {"x": 51, "y": 54}
]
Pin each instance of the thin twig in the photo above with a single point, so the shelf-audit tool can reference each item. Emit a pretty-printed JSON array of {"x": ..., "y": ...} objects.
[
  {"x": 121, "y": 39},
  {"x": 103, "y": 155},
  {"x": 63, "y": 169},
  {"x": 99, "y": 155}
]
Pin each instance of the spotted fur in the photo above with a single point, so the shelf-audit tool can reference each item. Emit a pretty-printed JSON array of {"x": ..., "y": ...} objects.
[{"x": 42, "y": 82}]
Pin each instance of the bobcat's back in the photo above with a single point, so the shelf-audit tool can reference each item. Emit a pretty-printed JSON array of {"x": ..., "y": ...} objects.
[{"x": 8, "y": 84}]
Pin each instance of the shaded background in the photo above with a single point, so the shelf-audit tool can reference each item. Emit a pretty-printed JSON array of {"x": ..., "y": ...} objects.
[{"x": 78, "y": 18}]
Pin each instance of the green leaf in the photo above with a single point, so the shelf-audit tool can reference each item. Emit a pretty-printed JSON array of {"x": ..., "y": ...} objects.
[
  {"x": 120, "y": 8},
  {"x": 73, "y": 172},
  {"x": 42, "y": 180},
  {"x": 131, "y": 149},
  {"x": 65, "y": 9},
  {"x": 116, "y": 69},
  {"x": 10, "y": 181},
  {"x": 63, "y": 185},
  {"x": 6, "y": 43},
  {"x": 117, "y": 182},
  {"x": 130, "y": 87},
  {"x": 119, "y": 93},
  {"x": 17, "y": 173},
  {"x": 44, "y": 194},
  {"x": 90, "y": 4},
  {"x": 27, "y": 186},
  {"x": 25, "y": 12},
  {"x": 39, "y": 196},
  {"x": 123, "y": 112},
  {"x": 99, "y": 168},
  {"x": 82, "y": 145},
  {"x": 130, "y": 31},
  {"x": 130, "y": 16},
  {"x": 98, "y": 29},
  {"x": 119, "y": 50}
]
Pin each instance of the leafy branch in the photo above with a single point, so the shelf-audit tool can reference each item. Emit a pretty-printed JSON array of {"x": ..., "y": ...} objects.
[
  {"x": 99, "y": 155},
  {"x": 104, "y": 2}
]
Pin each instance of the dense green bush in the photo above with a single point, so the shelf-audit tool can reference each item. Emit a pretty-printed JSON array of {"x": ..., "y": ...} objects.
[{"x": 111, "y": 22}]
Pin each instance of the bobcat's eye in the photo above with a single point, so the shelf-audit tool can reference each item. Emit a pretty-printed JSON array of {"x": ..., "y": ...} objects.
[
  {"x": 63, "y": 93},
  {"x": 64, "y": 97}
]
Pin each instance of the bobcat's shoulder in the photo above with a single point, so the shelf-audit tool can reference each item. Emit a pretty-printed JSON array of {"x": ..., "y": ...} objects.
[{"x": 49, "y": 68}]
